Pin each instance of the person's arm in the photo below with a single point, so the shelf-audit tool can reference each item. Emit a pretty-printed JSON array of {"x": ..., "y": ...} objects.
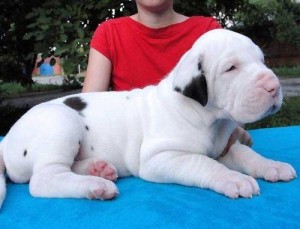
[{"x": 98, "y": 72}]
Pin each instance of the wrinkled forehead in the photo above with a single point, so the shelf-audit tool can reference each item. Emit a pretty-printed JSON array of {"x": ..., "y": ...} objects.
[
  {"x": 242, "y": 52},
  {"x": 220, "y": 42}
]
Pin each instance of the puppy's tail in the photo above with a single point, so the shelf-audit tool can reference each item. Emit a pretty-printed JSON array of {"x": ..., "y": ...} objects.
[{"x": 2, "y": 176}]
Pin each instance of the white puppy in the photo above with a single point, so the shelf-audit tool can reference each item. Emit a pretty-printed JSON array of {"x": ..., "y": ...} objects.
[{"x": 174, "y": 132}]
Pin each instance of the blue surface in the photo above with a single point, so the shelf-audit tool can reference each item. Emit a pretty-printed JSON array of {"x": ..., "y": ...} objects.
[{"x": 148, "y": 205}]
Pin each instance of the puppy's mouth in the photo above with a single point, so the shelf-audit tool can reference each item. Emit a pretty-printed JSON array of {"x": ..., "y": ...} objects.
[
  {"x": 253, "y": 114},
  {"x": 277, "y": 101},
  {"x": 272, "y": 110}
]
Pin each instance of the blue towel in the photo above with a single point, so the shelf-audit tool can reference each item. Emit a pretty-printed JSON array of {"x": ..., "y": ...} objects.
[{"x": 143, "y": 204}]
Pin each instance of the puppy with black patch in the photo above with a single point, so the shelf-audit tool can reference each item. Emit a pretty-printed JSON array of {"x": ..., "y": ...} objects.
[{"x": 174, "y": 132}]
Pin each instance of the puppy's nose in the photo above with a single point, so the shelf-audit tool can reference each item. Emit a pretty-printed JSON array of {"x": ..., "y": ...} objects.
[{"x": 269, "y": 82}]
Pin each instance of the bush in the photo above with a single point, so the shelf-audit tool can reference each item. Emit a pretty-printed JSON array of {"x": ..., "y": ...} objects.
[
  {"x": 16, "y": 89},
  {"x": 72, "y": 82}
]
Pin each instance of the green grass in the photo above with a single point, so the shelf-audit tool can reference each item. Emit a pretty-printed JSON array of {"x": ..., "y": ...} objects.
[
  {"x": 16, "y": 89},
  {"x": 288, "y": 115},
  {"x": 287, "y": 72}
]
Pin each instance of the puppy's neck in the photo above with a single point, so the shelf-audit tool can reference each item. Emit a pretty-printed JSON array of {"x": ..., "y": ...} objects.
[{"x": 187, "y": 108}]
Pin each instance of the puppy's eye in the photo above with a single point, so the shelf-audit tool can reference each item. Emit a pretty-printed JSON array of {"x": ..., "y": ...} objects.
[{"x": 231, "y": 68}]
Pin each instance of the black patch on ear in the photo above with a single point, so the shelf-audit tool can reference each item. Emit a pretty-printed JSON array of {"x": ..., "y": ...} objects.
[
  {"x": 197, "y": 89},
  {"x": 25, "y": 153},
  {"x": 75, "y": 103}
]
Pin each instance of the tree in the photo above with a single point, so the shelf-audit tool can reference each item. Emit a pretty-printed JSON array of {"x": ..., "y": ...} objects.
[
  {"x": 37, "y": 26},
  {"x": 13, "y": 49},
  {"x": 270, "y": 20},
  {"x": 64, "y": 27},
  {"x": 223, "y": 11}
]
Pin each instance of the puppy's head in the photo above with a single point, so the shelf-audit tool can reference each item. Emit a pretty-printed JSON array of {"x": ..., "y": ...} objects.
[{"x": 225, "y": 72}]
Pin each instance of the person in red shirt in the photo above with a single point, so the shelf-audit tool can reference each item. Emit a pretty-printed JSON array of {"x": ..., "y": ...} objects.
[
  {"x": 139, "y": 50},
  {"x": 142, "y": 56}
]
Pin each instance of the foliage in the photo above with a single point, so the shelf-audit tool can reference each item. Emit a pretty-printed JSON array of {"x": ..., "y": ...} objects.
[
  {"x": 64, "y": 27},
  {"x": 2, "y": 91},
  {"x": 223, "y": 11},
  {"x": 69, "y": 66},
  {"x": 71, "y": 82},
  {"x": 13, "y": 49},
  {"x": 270, "y": 20},
  {"x": 31, "y": 27}
]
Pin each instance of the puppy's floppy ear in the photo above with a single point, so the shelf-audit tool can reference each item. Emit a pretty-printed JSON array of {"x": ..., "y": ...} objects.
[{"x": 197, "y": 88}]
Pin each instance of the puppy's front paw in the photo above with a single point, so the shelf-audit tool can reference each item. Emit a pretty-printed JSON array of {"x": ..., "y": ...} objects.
[
  {"x": 278, "y": 171},
  {"x": 235, "y": 184},
  {"x": 102, "y": 189}
]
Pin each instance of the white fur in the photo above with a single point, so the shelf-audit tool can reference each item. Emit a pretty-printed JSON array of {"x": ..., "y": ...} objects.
[{"x": 155, "y": 133}]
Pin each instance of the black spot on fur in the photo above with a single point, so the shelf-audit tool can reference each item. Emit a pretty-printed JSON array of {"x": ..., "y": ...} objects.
[
  {"x": 197, "y": 90},
  {"x": 92, "y": 148},
  {"x": 178, "y": 89},
  {"x": 25, "y": 153},
  {"x": 75, "y": 103},
  {"x": 87, "y": 128},
  {"x": 199, "y": 66}
]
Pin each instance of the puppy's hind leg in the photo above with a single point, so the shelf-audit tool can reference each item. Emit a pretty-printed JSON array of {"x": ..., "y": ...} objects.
[
  {"x": 54, "y": 155},
  {"x": 95, "y": 167},
  {"x": 52, "y": 175},
  {"x": 57, "y": 180}
]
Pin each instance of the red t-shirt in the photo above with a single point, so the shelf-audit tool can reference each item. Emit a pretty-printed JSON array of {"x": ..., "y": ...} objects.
[{"x": 142, "y": 56}]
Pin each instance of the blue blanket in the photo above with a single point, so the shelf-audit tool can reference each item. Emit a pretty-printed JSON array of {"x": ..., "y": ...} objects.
[{"x": 143, "y": 204}]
